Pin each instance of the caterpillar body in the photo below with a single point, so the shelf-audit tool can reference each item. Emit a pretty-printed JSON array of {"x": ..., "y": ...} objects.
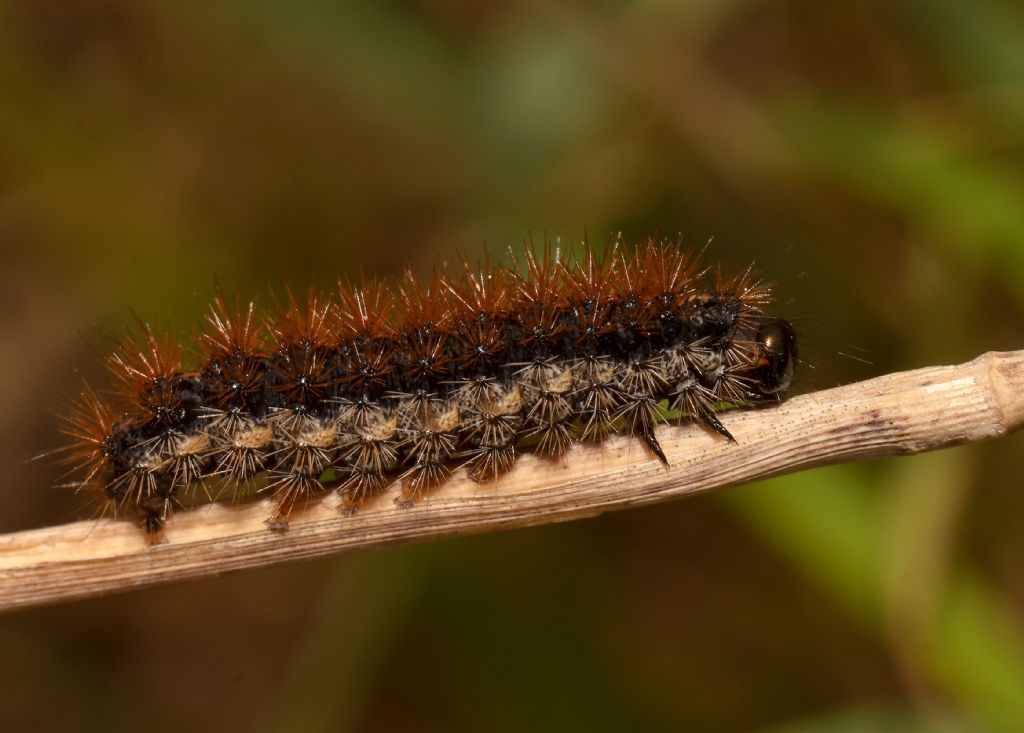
[{"x": 409, "y": 382}]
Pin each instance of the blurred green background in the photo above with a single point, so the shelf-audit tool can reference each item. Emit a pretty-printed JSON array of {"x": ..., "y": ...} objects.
[{"x": 866, "y": 154}]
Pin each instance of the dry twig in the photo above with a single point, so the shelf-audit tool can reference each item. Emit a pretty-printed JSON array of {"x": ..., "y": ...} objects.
[{"x": 897, "y": 414}]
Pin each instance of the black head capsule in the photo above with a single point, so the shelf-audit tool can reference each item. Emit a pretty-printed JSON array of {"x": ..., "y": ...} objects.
[{"x": 772, "y": 373}]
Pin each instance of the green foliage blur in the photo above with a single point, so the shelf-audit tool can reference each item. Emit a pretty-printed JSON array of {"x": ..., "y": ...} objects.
[{"x": 867, "y": 155}]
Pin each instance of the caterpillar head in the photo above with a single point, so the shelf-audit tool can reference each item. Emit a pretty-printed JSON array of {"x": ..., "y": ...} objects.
[{"x": 772, "y": 371}]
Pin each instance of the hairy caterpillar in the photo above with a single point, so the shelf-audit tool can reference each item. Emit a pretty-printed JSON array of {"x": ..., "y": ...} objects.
[{"x": 409, "y": 382}]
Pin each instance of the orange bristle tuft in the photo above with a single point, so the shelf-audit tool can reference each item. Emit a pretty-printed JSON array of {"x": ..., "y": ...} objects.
[
  {"x": 299, "y": 368},
  {"x": 88, "y": 423},
  {"x": 147, "y": 368},
  {"x": 234, "y": 361}
]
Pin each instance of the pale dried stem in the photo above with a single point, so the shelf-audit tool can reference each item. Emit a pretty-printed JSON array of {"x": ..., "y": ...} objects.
[{"x": 909, "y": 412}]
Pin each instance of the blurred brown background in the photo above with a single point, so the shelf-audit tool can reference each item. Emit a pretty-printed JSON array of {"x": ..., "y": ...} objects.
[{"x": 866, "y": 154}]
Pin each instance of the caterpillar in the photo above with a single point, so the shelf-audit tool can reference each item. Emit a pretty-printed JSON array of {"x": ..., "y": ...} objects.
[{"x": 381, "y": 382}]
